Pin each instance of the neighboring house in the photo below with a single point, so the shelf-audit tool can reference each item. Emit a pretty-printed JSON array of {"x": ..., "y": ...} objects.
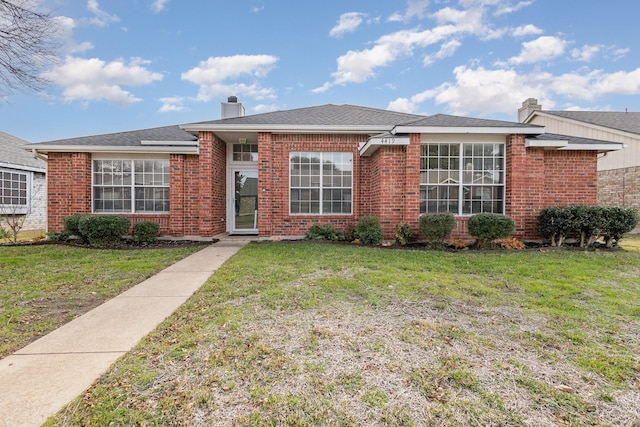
[
  {"x": 23, "y": 189},
  {"x": 276, "y": 174},
  {"x": 618, "y": 171}
]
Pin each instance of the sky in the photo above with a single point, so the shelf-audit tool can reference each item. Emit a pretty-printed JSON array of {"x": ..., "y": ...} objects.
[{"x": 136, "y": 64}]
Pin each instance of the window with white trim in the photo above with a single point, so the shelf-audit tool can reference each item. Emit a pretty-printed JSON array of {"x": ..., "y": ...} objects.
[
  {"x": 14, "y": 191},
  {"x": 462, "y": 178},
  {"x": 245, "y": 152},
  {"x": 320, "y": 182},
  {"x": 126, "y": 186}
]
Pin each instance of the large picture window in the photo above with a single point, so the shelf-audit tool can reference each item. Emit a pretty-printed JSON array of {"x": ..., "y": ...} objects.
[
  {"x": 321, "y": 183},
  {"x": 140, "y": 186},
  {"x": 463, "y": 179},
  {"x": 14, "y": 191}
]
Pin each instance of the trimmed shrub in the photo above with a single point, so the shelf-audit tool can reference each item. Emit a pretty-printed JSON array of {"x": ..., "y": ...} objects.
[
  {"x": 369, "y": 230},
  {"x": 586, "y": 224},
  {"x": 322, "y": 232},
  {"x": 103, "y": 230},
  {"x": 72, "y": 226},
  {"x": 437, "y": 226},
  {"x": 404, "y": 233},
  {"x": 617, "y": 222},
  {"x": 145, "y": 232},
  {"x": 485, "y": 227}
]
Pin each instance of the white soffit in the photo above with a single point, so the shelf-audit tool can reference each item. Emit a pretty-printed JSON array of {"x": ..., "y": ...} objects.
[
  {"x": 375, "y": 142},
  {"x": 546, "y": 143}
]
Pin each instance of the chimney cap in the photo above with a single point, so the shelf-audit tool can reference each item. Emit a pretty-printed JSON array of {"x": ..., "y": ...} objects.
[{"x": 232, "y": 99}]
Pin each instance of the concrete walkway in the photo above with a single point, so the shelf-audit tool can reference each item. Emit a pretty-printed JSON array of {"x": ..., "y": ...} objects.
[{"x": 40, "y": 379}]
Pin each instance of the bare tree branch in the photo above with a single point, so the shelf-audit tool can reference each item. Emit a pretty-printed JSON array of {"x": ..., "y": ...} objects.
[{"x": 28, "y": 42}]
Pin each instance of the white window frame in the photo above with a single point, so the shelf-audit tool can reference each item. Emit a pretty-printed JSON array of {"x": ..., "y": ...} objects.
[
  {"x": 132, "y": 186},
  {"x": 10, "y": 192},
  {"x": 319, "y": 183},
  {"x": 463, "y": 177}
]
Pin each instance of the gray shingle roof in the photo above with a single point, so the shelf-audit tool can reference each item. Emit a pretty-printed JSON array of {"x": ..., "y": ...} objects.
[
  {"x": 445, "y": 120},
  {"x": 323, "y": 115},
  {"x": 573, "y": 140},
  {"x": 627, "y": 122},
  {"x": 12, "y": 151},
  {"x": 127, "y": 139}
]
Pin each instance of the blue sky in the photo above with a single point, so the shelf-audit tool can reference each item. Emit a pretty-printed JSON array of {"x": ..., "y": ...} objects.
[{"x": 134, "y": 64}]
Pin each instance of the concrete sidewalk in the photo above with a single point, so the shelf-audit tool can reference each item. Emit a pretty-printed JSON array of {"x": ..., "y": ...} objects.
[{"x": 38, "y": 380}]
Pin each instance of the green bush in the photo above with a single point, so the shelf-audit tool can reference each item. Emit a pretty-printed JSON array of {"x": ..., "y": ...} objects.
[
  {"x": 103, "y": 230},
  {"x": 617, "y": 222},
  {"x": 437, "y": 226},
  {"x": 586, "y": 224},
  {"x": 322, "y": 232},
  {"x": 369, "y": 230},
  {"x": 485, "y": 227},
  {"x": 72, "y": 226},
  {"x": 404, "y": 233},
  {"x": 145, "y": 232},
  {"x": 350, "y": 233}
]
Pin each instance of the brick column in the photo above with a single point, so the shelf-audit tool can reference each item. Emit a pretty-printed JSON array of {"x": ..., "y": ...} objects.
[
  {"x": 267, "y": 191},
  {"x": 177, "y": 195}
]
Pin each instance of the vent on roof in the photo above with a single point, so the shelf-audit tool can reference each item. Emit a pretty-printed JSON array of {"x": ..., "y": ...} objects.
[{"x": 232, "y": 108}]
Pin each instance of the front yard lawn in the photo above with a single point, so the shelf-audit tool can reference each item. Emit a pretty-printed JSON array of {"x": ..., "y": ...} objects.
[
  {"x": 311, "y": 334},
  {"x": 45, "y": 286}
]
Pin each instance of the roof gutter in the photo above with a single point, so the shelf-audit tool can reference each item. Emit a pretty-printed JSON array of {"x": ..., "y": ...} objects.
[
  {"x": 22, "y": 167},
  {"x": 147, "y": 149}
]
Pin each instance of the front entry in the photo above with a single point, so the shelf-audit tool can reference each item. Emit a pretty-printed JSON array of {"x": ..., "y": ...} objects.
[{"x": 245, "y": 201}]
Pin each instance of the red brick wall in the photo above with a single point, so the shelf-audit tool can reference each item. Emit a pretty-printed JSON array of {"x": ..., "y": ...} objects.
[
  {"x": 537, "y": 178},
  {"x": 386, "y": 184},
  {"x": 273, "y": 181},
  {"x": 69, "y": 187}
]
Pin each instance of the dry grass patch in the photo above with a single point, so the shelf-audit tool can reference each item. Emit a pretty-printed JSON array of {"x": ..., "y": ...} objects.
[{"x": 320, "y": 335}]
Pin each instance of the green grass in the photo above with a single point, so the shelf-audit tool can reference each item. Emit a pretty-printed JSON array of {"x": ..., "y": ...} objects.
[
  {"x": 312, "y": 334},
  {"x": 45, "y": 286}
]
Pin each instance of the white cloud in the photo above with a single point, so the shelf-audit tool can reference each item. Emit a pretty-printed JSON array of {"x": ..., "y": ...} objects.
[
  {"x": 586, "y": 53},
  {"x": 96, "y": 80},
  {"x": 484, "y": 91},
  {"x": 172, "y": 104},
  {"x": 100, "y": 18},
  {"x": 65, "y": 27},
  {"x": 526, "y": 30},
  {"x": 543, "y": 48},
  {"x": 213, "y": 75},
  {"x": 347, "y": 23},
  {"x": 415, "y": 8},
  {"x": 159, "y": 5},
  {"x": 359, "y": 66},
  {"x": 506, "y": 8},
  {"x": 447, "y": 49},
  {"x": 257, "y": 9}
]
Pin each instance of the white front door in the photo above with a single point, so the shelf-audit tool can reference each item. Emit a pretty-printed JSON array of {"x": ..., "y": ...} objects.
[{"x": 244, "y": 218}]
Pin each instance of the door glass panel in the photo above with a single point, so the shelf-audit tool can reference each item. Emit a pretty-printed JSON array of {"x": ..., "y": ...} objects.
[{"x": 246, "y": 200}]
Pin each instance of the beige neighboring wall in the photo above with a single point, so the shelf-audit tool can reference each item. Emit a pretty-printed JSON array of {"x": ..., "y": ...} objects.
[{"x": 625, "y": 158}]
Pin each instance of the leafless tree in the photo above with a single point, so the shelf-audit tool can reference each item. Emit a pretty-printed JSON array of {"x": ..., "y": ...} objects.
[{"x": 28, "y": 42}]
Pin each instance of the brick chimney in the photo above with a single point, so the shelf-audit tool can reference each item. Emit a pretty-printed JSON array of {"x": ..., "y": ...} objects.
[
  {"x": 232, "y": 108},
  {"x": 528, "y": 106}
]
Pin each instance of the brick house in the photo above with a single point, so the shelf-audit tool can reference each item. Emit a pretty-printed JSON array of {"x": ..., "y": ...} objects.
[
  {"x": 618, "y": 171},
  {"x": 276, "y": 174},
  {"x": 23, "y": 193}
]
